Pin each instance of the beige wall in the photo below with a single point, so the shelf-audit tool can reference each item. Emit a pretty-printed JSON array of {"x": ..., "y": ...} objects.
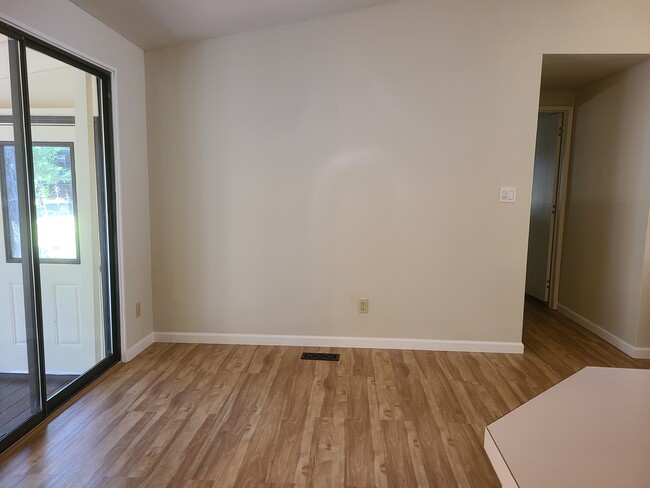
[
  {"x": 298, "y": 168},
  {"x": 552, "y": 98},
  {"x": 607, "y": 209},
  {"x": 63, "y": 23}
]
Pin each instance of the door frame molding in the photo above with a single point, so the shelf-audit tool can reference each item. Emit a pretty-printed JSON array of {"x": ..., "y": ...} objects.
[{"x": 561, "y": 198}]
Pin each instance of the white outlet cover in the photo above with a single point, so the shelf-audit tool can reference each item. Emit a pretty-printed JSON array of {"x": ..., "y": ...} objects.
[{"x": 507, "y": 194}]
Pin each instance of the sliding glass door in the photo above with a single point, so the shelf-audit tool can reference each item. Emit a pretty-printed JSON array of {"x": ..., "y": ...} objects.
[{"x": 58, "y": 299}]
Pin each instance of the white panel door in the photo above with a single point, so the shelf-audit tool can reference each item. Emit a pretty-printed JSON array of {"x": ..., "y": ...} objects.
[{"x": 71, "y": 294}]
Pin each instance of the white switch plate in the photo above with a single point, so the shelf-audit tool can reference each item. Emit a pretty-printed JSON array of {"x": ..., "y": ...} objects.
[{"x": 507, "y": 194}]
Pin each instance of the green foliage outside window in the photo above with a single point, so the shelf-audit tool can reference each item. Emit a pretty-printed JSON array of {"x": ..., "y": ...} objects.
[{"x": 48, "y": 175}]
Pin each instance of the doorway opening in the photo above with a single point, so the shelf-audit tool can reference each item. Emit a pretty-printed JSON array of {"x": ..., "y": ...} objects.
[
  {"x": 589, "y": 238},
  {"x": 551, "y": 170}
]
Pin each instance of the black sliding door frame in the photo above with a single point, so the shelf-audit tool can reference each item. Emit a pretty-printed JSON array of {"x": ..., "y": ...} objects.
[{"x": 19, "y": 42}]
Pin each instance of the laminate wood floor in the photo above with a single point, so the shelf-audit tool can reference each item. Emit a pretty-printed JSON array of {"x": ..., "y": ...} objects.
[{"x": 186, "y": 415}]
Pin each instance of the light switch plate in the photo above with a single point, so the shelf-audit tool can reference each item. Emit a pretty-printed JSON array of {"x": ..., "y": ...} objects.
[{"x": 507, "y": 194}]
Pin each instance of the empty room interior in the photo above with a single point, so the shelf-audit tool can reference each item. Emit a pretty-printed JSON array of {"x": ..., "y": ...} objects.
[{"x": 335, "y": 243}]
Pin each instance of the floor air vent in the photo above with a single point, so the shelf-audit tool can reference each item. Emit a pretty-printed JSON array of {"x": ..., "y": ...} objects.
[{"x": 320, "y": 356}]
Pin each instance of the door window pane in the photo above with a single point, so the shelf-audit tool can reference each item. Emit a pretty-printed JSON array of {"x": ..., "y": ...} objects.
[
  {"x": 55, "y": 202},
  {"x": 11, "y": 219}
]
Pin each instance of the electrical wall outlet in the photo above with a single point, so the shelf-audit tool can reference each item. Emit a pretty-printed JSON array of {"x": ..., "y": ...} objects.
[
  {"x": 138, "y": 310},
  {"x": 363, "y": 305},
  {"x": 507, "y": 194}
]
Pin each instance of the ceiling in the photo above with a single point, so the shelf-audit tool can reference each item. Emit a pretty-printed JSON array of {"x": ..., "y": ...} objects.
[
  {"x": 570, "y": 72},
  {"x": 151, "y": 24},
  {"x": 51, "y": 82},
  {"x": 36, "y": 62}
]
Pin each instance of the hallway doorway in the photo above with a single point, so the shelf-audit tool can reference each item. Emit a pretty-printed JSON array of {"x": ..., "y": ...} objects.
[{"x": 547, "y": 209}]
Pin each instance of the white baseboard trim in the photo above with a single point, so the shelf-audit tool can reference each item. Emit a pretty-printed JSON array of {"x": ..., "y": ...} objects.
[
  {"x": 337, "y": 341},
  {"x": 642, "y": 352},
  {"x": 614, "y": 340},
  {"x": 137, "y": 348}
]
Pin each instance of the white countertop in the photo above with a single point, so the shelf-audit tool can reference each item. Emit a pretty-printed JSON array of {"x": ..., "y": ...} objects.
[{"x": 591, "y": 430}]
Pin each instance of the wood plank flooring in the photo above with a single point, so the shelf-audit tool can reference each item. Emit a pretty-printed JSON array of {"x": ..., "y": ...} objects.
[{"x": 186, "y": 415}]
